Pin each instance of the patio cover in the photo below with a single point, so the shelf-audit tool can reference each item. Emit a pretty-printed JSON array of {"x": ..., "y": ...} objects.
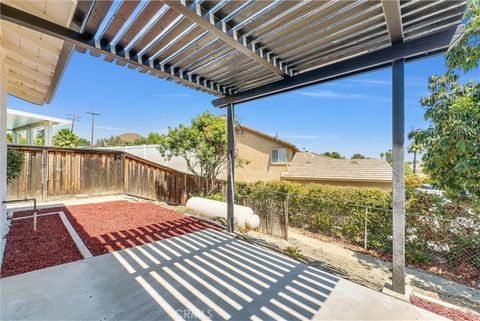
[
  {"x": 231, "y": 47},
  {"x": 23, "y": 121},
  {"x": 244, "y": 50},
  {"x": 34, "y": 63}
]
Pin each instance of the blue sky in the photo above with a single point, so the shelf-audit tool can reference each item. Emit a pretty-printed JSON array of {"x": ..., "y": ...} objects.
[{"x": 348, "y": 116}]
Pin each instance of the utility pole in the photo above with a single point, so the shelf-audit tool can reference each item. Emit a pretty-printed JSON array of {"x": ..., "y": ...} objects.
[
  {"x": 93, "y": 126},
  {"x": 74, "y": 118}
]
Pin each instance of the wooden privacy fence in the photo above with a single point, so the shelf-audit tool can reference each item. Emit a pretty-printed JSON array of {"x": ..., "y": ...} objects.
[
  {"x": 272, "y": 213},
  {"x": 52, "y": 172}
]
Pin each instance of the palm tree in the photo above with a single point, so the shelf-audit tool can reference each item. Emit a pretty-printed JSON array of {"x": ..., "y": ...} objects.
[
  {"x": 414, "y": 147},
  {"x": 65, "y": 138}
]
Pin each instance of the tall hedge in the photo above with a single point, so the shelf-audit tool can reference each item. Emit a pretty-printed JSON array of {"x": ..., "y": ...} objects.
[
  {"x": 15, "y": 160},
  {"x": 334, "y": 211}
]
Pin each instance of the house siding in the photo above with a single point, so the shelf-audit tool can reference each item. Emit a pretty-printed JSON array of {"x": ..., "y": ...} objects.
[{"x": 256, "y": 150}]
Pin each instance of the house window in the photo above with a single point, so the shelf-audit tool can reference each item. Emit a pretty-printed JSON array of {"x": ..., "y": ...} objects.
[
  {"x": 239, "y": 131},
  {"x": 279, "y": 156}
]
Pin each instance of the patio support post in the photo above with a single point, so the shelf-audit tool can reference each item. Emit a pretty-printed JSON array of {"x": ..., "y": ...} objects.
[
  {"x": 230, "y": 167},
  {"x": 47, "y": 134},
  {"x": 398, "y": 134},
  {"x": 3, "y": 144}
]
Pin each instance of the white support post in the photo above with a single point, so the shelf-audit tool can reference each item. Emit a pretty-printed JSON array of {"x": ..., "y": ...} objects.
[
  {"x": 29, "y": 135},
  {"x": 230, "y": 168},
  {"x": 398, "y": 134},
  {"x": 3, "y": 145},
  {"x": 15, "y": 137},
  {"x": 47, "y": 134}
]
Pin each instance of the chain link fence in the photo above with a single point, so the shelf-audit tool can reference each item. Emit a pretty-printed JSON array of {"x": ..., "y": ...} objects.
[{"x": 448, "y": 246}]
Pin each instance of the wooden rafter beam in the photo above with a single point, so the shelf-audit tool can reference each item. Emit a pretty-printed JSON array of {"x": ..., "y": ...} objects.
[
  {"x": 32, "y": 37},
  {"x": 195, "y": 13},
  {"x": 11, "y": 64},
  {"x": 393, "y": 19},
  {"x": 49, "y": 28},
  {"x": 17, "y": 77},
  {"x": 26, "y": 90},
  {"x": 26, "y": 55}
]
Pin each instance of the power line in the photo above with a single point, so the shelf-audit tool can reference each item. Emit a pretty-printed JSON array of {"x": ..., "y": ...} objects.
[
  {"x": 93, "y": 126},
  {"x": 74, "y": 118}
]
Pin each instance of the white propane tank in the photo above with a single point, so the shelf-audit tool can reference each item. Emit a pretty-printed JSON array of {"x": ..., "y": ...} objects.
[{"x": 243, "y": 216}]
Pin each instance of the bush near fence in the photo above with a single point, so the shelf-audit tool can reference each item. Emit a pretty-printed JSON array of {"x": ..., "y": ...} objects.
[{"x": 442, "y": 236}]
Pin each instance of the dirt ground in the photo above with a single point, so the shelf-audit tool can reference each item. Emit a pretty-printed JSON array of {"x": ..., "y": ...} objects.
[{"x": 367, "y": 270}]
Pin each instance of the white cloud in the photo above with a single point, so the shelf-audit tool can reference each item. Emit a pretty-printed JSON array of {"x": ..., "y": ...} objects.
[
  {"x": 336, "y": 94},
  {"x": 171, "y": 95},
  {"x": 372, "y": 81}
]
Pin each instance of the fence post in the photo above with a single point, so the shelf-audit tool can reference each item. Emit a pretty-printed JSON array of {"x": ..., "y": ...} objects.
[
  {"x": 285, "y": 212},
  {"x": 44, "y": 174},
  {"x": 365, "y": 242}
]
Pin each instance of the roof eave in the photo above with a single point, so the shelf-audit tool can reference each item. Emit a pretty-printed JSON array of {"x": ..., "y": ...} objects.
[
  {"x": 338, "y": 179},
  {"x": 62, "y": 63}
]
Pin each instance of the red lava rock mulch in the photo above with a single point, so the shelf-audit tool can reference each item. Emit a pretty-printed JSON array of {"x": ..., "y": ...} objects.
[
  {"x": 112, "y": 226},
  {"x": 103, "y": 227},
  {"x": 27, "y": 250},
  {"x": 453, "y": 314}
]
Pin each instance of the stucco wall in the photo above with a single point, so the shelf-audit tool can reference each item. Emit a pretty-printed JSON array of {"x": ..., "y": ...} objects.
[
  {"x": 387, "y": 186},
  {"x": 257, "y": 151}
]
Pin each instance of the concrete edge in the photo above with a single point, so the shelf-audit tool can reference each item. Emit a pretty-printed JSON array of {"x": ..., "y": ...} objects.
[{"x": 76, "y": 238}]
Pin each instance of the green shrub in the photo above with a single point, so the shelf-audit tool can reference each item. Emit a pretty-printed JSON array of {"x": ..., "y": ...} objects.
[
  {"x": 15, "y": 160},
  {"x": 437, "y": 230},
  {"x": 216, "y": 197},
  {"x": 329, "y": 210}
]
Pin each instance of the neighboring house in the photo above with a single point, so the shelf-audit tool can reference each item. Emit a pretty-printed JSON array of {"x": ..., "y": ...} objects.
[
  {"x": 265, "y": 156},
  {"x": 309, "y": 167}
]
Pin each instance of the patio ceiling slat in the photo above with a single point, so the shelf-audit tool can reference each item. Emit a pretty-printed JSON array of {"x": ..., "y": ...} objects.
[
  {"x": 99, "y": 11},
  {"x": 201, "y": 17},
  {"x": 366, "y": 61},
  {"x": 155, "y": 30},
  {"x": 119, "y": 18},
  {"x": 225, "y": 47},
  {"x": 179, "y": 28},
  {"x": 310, "y": 42},
  {"x": 150, "y": 9},
  {"x": 393, "y": 18}
]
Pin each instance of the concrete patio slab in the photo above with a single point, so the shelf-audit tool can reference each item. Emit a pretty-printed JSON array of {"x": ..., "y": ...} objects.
[{"x": 202, "y": 275}]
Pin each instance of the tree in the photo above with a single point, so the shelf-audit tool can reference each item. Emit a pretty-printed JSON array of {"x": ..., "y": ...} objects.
[
  {"x": 358, "y": 156},
  {"x": 335, "y": 155},
  {"x": 9, "y": 138},
  {"x": 451, "y": 142},
  {"x": 388, "y": 156},
  {"x": 465, "y": 55},
  {"x": 203, "y": 145},
  {"x": 153, "y": 138},
  {"x": 66, "y": 138},
  {"x": 451, "y": 146},
  {"x": 40, "y": 138},
  {"x": 15, "y": 160},
  {"x": 111, "y": 141},
  {"x": 414, "y": 148},
  {"x": 82, "y": 142}
]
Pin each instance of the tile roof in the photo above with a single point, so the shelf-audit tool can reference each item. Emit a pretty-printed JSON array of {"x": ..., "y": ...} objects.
[{"x": 311, "y": 166}]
